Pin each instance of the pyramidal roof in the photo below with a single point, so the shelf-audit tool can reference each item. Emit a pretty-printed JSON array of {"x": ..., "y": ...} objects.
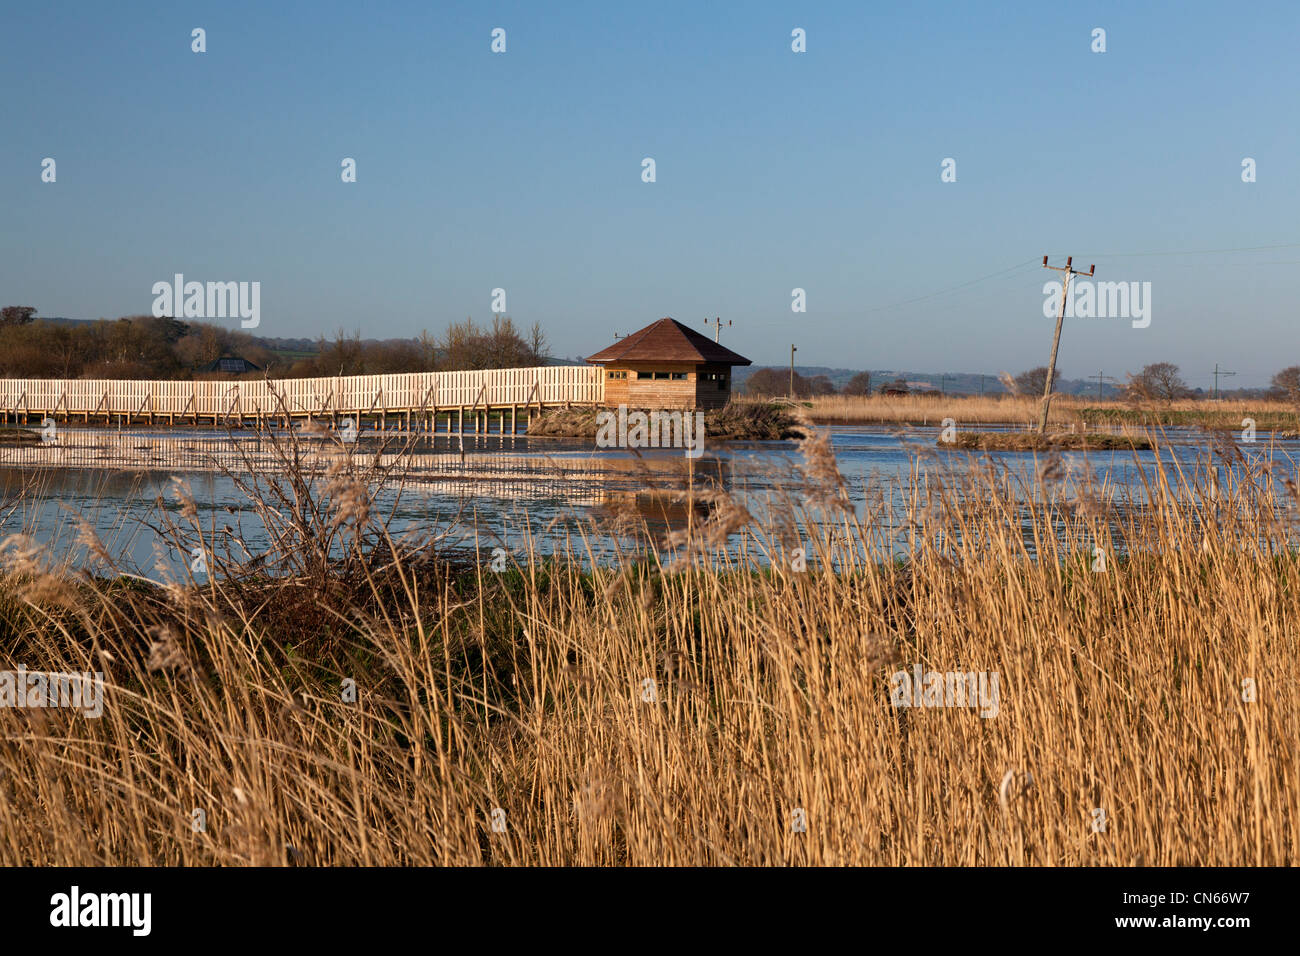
[{"x": 668, "y": 341}]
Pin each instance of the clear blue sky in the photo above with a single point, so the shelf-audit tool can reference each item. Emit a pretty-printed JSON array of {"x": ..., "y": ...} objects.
[{"x": 775, "y": 170}]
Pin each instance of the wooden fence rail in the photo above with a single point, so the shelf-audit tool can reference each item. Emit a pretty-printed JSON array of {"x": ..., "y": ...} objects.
[{"x": 234, "y": 402}]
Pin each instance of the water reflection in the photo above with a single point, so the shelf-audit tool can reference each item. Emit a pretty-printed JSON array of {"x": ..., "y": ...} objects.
[{"x": 505, "y": 489}]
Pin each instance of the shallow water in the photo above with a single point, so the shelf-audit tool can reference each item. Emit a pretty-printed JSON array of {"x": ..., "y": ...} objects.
[{"x": 493, "y": 489}]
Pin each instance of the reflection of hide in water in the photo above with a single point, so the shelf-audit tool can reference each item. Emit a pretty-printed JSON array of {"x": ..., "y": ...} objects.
[
  {"x": 654, "y": 511},
  {"x": 669, "y": 470},
  {"x": 664, "y": 504}
]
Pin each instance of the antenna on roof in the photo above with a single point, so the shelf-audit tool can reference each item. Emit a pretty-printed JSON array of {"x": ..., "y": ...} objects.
[{"x": 717, "y": 324}]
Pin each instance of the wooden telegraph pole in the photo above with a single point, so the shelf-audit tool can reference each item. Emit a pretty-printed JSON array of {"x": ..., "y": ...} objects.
[
  {"x": 1056, "y": 339},
  {"x": 792, "y": 351}
]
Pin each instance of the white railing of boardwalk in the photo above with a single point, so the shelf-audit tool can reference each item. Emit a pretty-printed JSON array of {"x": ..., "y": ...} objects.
[
  {"x": 502, "y": 473},
  {"x": 368, "y": 394}
]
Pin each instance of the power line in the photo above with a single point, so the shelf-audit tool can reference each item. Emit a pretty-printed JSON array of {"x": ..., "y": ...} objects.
[
  {"x": 1008, "y": 272},
  {"x": 1195, "y": 252},
  {"x": 1110, "y": 255},
  {"x": 931, "y": 295}
]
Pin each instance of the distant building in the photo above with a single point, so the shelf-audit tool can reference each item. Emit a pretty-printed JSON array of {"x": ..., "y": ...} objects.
[
  {"x": 667, "y": 365},
  {"x": 229, "y": 365}
]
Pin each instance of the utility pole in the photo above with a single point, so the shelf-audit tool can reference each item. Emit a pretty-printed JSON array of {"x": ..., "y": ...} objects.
[
  {"x": 717, "y": 327},
  {"x": 1217, "y": 373},
  {"x": 1102, "y": 377},
  {"x": 792, "y": 351},
  {"x": 1056, "y": 339},
  {"x": 981, "y": 384}
]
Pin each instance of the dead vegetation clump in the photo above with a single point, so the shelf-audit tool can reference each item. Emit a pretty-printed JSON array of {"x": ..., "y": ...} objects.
[
  {"x": 1032, "y": 441},
  {"x": 737, "y": 421}
]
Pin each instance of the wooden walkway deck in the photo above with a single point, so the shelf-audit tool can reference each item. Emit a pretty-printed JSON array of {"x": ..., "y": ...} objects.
[{"x": 415, "y": 399}]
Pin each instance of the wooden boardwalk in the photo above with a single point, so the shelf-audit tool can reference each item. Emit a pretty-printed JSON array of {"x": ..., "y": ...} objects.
[{"x": 416, "y": 400}]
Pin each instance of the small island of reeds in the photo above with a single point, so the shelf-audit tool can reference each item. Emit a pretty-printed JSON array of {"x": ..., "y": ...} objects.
[{"x": 1032, "y": 441}]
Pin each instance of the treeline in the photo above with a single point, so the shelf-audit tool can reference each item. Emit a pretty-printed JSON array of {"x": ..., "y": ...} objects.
[
  {"x": 463, "y": 346},
  {"x": 1160, "y": 382},
  {"x": 146, "y": 347},
  {"x": 1156, "y": 382},
  {"x": 770, "y": 382}
]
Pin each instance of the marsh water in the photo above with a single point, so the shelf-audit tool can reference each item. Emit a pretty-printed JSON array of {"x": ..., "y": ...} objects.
[{"x": 487, "y": 491}]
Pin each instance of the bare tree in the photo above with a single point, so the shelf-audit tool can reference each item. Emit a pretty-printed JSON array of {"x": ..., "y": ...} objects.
[
  {"x": 17, "y": 314},
  {"x": 344, "y": 356},
  {"x": 1034, "y": 381},
  {"x": 468, "y": 346},
  {"x": 1286, "y": 385},
  {"x": 537, "y": 343},
  {"x": 428, "y": 345},
  {"x": 859, "y": 384},
  {"x": 1158, "y": 381},
  {"x": 776, "y": 382},
  {"x": 821, "y": 385}
]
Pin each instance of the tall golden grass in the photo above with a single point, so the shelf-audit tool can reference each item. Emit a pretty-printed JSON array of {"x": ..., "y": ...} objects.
[
  {"x": 1066, "y": 410},
  {"x": 680, "y": 706},
  {"x": 932, "y": 409}
]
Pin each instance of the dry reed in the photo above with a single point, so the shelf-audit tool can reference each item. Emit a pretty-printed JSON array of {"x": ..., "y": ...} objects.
[{"x": 379, "y": 714}]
